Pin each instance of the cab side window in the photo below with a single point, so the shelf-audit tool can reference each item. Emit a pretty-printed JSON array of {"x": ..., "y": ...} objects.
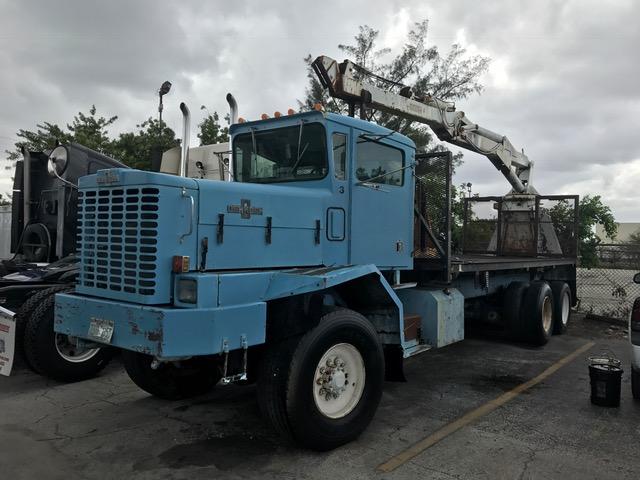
[
  {"x": 379, "y": 163},
  {"x": 340, "y": 155}
]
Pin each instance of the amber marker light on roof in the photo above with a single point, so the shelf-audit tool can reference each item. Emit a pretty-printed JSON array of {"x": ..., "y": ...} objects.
[
  {"x": 277, "y": 114},
  {"x": 264, "y": 116},
  {"x": 241, "y": 120},
  {"x": 318, "y": 107},
  {"x": 291, "y": 111}
]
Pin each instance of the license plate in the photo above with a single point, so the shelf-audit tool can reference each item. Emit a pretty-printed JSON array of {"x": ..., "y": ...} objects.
[
  {"x": 7, "y": 340},
  {"x": 101, "y": 330}
]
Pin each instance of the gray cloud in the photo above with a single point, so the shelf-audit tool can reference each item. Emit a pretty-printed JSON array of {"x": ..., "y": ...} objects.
[{"x": 563, "y": 83}]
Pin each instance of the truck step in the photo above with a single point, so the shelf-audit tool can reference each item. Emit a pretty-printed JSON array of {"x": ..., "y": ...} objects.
[{"x": 400, "y": 286}]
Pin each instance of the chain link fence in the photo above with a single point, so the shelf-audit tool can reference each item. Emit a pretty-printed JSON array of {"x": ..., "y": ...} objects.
[{"x": 608, "y": 290}]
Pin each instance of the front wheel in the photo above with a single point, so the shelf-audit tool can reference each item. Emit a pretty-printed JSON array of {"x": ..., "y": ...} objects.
[
  {"x": 55, "y": 355},
  {"x": 323, "y": 390}
]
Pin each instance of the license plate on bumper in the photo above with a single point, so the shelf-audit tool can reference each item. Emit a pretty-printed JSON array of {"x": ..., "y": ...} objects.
[{"x": 100, "y": 330}]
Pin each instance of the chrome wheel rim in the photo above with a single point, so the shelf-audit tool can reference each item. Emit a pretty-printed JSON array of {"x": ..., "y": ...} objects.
[
  {"x": 547, "y": 314},
  {"x": 566, "y": 308},
  {"x": 339, "y": 380},
  {"x": 69, "y": 351}
]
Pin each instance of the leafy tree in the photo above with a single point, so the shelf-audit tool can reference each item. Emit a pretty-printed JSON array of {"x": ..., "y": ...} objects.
[
  {"x": 91, "y": 131},
  {"x": 453, "y": 76},
  {"x": 591, "y": 212},
  {"x": 44, "y": 138},
  {"x": 210, "y": 129},
  {"x": 136, "y": 149}
]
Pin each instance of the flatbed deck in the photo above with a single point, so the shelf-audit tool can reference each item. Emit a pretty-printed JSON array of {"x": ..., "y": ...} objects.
[
  {"x": 483, "y": 263},
  {"x": 476, "y": 263}
]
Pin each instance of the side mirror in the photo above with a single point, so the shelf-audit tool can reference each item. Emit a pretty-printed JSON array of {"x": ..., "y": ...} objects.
[{"x": 636, "y": 278}]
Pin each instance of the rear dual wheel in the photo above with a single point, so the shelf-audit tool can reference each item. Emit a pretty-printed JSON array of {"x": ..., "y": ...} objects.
[
  {"x": 530, "y": 311},
  {"x": 322, "y": 390},
  {"x": 561, "y": 306}
]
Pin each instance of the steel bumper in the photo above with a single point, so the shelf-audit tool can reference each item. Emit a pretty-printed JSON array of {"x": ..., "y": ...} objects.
[{"x": 165, "y": 332}]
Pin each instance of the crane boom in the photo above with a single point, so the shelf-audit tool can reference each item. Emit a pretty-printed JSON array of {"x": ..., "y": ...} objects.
[{"x": 350, "y": 82}]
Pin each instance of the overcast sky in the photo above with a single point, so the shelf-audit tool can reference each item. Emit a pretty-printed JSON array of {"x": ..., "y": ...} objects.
[{"x": 563, "y": 83}]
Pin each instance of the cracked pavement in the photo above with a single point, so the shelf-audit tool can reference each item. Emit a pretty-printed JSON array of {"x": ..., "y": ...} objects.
[{"x": 107, "y": 428}]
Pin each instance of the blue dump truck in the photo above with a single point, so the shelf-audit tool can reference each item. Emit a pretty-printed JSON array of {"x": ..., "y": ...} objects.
[{"x": 330, "y": 258}]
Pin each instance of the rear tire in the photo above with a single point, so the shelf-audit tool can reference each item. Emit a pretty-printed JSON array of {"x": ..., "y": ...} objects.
[
  {"x": 51, "y": 354},
  {"x": 323, "y": 390},
  {"x": 537, "y": 314},
  {"x": 561, "y": 307},
  {"x": 171, "y": 380},
  {"x": 635, "y": 383},
  {"x": 512, "y": 308}
]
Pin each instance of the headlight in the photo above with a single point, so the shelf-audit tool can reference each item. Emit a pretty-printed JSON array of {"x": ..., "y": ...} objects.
[{"x": 187, "y": 290}]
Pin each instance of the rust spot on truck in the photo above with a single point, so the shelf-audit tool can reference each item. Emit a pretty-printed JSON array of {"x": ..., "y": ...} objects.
[
  {"x": 135, "y": 330},
  {"x": 154, "y": 335}
]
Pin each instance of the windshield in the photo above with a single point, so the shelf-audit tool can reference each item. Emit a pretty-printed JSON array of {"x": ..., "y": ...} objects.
[{"x": 285, "y": 154}]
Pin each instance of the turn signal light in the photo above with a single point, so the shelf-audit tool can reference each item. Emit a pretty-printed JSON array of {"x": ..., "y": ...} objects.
[{"x": 180, "y": 264}]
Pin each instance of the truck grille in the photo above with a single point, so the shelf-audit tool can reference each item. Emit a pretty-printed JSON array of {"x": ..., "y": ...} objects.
[{"x": 117, "y": 239}]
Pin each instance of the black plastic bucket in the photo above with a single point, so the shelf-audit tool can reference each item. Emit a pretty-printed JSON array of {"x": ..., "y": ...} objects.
[{"x": 605, "y": 374}]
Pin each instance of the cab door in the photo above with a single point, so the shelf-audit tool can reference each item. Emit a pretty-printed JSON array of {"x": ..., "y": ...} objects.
[
  {"x": 381, "y": 203},
  {"x": 337, "y": 221}
]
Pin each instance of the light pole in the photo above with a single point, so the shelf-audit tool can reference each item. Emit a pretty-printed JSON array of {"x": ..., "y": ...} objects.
[
  {"x": 164, "y": 89},
  {"x": 156, "y": 151}
]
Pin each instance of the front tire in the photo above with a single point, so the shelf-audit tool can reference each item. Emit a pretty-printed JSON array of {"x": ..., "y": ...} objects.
[
  {"x": 323, "y": 390},
  {"x": 54, "y": 355},
  {"x": 171, "y": 380}
]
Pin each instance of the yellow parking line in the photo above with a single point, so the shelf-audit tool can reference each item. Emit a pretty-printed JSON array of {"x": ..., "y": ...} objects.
[{"x": 473, "y": 415}]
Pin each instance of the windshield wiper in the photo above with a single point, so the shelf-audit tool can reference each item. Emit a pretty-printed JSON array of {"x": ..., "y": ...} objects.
[{"x": 299, "y": 154}]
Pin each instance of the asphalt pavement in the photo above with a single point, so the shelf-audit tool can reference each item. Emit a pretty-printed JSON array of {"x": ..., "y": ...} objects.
[{"x": 107, "y": 428}]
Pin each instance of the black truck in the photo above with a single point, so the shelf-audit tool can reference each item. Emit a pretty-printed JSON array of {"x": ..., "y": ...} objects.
[{"x": 43, "y": 242}]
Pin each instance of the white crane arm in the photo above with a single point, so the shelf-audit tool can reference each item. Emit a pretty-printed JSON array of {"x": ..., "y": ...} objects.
[{"x": 349, "y": 82}]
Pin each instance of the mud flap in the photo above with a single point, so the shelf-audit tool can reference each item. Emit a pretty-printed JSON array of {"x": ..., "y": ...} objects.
[
  {"x": 7, "y": 340},
  {"x": 393, "y": 364}
]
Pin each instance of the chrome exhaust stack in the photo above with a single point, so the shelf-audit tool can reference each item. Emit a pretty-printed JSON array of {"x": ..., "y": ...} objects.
[
  {"x": 26, "y": 187},
  {"x": 233, "y": 118},
  {"x": 186, "y": 127},
  {"x": 233, "y": 108}
]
